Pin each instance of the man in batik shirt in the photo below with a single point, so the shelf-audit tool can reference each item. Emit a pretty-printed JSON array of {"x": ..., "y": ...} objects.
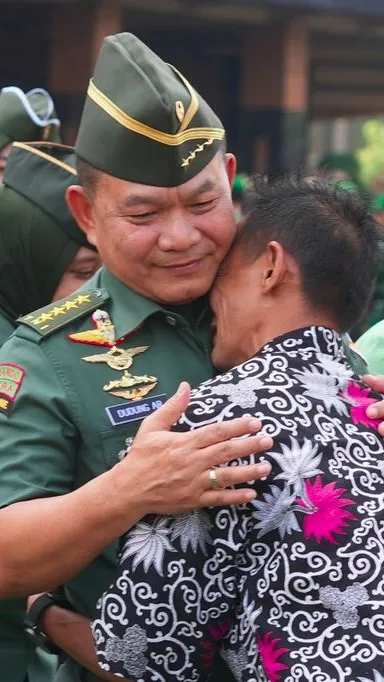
[{"x": 290, "y": 586}]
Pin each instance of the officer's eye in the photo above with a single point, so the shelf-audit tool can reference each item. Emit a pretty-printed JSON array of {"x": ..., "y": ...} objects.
[
  {"x": 203, "y": 204},
  {"x": 143, "y": 216}
]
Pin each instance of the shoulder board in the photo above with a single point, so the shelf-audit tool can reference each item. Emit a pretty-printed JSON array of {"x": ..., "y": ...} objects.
[{"x": 60, "y": 313}]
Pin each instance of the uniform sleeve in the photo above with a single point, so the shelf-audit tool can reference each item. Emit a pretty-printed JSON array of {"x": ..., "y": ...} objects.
[{"x": 37, "y": 444}]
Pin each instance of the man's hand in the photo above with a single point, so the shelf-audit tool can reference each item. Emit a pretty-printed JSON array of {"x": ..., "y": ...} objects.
[
  {"x": 376, "y": 411},
  {"x": 164, "y": 473},
  {"x": 172, "y": 470}
]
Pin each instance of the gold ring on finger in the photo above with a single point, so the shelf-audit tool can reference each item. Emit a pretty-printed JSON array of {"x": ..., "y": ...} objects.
[{"x": 213, "y": 482}]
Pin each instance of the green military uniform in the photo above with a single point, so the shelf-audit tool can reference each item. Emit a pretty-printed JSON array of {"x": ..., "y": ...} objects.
[
  {"x": 67, "y": 429},
  {"x": 145, "y": 123},
  {"x": 371, "y": 346},
  {"x": 38, "y": 240},
  {"x": 27, "y": 116}
]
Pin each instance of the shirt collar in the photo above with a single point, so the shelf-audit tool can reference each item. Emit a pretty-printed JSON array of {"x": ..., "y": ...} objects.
[
  {"x": 316, "y": 339},
  {"x": 129, "y": 309}
]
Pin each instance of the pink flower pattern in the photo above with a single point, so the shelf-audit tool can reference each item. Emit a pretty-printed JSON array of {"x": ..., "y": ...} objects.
[
  {"x": 270, "y": 654},
  {"x": 329, "y": 518},
  {"x": 360, "y": 399}
]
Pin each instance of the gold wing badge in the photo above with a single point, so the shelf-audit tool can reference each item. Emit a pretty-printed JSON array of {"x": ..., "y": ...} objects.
[{"x": 128, "y": 386}]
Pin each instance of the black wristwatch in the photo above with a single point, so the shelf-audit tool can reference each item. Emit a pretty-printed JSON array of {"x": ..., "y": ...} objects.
[{"x": 31, "y": 621}]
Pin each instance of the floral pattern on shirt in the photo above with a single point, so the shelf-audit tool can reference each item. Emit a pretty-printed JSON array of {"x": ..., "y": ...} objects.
[{"x": 290, "y": 587}]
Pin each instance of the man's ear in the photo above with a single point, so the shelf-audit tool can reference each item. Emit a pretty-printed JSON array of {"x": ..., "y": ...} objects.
[
  {"x": 276, "y": 268},
  {"x": 81, "y": 208},
  {"x": 231, "y": 166}
]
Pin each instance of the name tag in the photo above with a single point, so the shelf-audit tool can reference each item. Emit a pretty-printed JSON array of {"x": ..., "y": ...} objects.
[{"x": 134, "y": 410}]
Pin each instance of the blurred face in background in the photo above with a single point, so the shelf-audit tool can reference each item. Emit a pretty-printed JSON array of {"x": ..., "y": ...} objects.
[{"x": 83, "y": 267}]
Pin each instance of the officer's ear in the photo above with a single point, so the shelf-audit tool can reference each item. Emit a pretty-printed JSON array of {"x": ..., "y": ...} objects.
[
  {"x": 80, "y": 206},
  {"x": 231, "y": 166}
]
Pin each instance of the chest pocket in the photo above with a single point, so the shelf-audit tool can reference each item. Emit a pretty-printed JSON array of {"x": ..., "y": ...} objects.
[
  {"x": 126, "y": 419},
  {"x": 114, "y": 442}
]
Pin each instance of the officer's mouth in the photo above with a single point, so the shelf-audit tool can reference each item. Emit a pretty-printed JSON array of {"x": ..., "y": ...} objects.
[{"x": 186, "y": 267}]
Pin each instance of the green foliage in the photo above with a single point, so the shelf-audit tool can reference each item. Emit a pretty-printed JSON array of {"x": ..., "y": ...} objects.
[{"x": 371, "y": 155}]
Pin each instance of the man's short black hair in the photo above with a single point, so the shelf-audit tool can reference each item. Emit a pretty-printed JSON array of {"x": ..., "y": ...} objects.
[
  {"x": 87, "y": 174},
  {"x": 330, "y": 233}
]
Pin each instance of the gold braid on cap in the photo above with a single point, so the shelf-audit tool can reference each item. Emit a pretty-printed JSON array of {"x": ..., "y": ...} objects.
[
  {"x": 47, "y": 157},
  {"x": 135, "y": 126}
]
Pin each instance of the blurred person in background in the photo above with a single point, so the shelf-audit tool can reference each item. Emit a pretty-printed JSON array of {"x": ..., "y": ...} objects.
[
  {"x": 341, "y": 169},
  {"x": 239, "y": 188},
  {"x": 25, "y": 116},
  {"x": 44, "y": 255}
]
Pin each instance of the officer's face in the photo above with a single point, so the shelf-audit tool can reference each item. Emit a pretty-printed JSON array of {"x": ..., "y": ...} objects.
[{"x": 164, "y": 243}]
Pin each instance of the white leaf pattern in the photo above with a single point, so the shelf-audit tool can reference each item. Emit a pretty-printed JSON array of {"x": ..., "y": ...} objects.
[
  {"x": 147, "y": 544},
  {"x": 193, "y": 529}
]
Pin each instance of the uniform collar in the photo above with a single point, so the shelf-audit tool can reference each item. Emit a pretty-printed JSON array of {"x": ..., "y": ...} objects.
[{"x": 129, "y": 309}]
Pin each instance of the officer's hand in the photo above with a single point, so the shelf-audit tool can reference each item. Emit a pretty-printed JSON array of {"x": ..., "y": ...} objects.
[
  {"x": 376, "y": 410},
  {"x": 172, "y": 470}
]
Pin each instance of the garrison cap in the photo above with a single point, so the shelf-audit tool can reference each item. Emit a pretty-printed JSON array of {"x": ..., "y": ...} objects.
[
  {"x": 41, "y": 173},
  {"x": 27, "y": 116},
  {"x": 142, "y": 120}
]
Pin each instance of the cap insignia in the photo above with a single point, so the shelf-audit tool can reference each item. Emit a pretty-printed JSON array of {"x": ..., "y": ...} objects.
[
  {"x": 180, "y": 111},
  {"x": 192, "y": 155}
]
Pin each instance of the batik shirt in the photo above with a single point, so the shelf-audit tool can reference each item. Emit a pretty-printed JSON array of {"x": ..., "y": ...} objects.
[{"x": 289, "y": 587}]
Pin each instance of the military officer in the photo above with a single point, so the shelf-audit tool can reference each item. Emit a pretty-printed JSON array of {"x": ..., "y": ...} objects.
[
  {"x": 43, "y": 254},
  {"x": 25, "y": 116},
  {"x": 79, "y": 375}
]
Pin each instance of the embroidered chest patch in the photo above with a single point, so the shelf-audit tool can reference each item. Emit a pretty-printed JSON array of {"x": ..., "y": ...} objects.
[{"x": 11, "y": 378}]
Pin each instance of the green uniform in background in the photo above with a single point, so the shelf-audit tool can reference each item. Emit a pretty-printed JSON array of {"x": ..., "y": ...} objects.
[
  {"x": 371, "y": 346},
  {"x": 38, "y": 240}
]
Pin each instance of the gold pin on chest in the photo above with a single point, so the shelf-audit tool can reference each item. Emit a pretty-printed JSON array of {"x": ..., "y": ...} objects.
[
  {"x": 128, "y": 386},
  {"x": 117, "y": 358}
]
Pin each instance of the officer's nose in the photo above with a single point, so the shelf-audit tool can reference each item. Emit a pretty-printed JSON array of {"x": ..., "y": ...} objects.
[{"x": 178, "y": 235}]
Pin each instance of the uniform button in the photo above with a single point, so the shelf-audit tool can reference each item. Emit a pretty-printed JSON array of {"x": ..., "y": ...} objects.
[
  {"x": 171, "y": 320},
  {"x": 98, "y": 293}
]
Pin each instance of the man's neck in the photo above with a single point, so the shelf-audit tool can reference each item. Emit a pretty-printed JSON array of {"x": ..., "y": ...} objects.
[{"x": 286, "y": 321}]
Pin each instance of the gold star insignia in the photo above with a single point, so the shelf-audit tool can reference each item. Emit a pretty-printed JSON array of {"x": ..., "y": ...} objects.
[
  {"x": 3, "y": 403},
  {"x": 68, "y": 305},
  {"x": 44, "y": 317},
  {"x": 82, "y": 299},
  {"x": 58, "y": 310}
]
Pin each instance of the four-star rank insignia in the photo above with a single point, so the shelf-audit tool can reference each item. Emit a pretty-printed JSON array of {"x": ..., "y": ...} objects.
[{"x": 129, "y": 386}]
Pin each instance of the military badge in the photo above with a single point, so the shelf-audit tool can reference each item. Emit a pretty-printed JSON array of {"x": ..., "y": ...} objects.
[
  {"x": 11, "y": 378},
  {"x": 128, "y": 386},
  {"x": 117, "y": 358},
  {"x": 102, "y": 335}
]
